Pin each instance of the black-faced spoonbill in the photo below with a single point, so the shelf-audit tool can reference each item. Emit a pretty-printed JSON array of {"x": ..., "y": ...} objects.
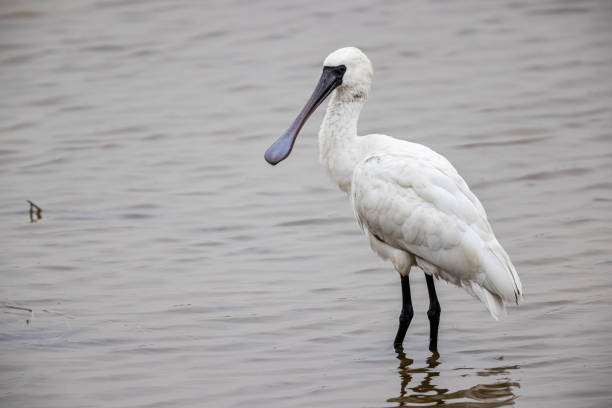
[{"x": 414, "y": 207}]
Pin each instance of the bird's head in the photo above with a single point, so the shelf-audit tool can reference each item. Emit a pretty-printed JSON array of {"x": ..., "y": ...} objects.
[
  {"x": 357, "y": 77},
  {"x": 349, "y": 72}
]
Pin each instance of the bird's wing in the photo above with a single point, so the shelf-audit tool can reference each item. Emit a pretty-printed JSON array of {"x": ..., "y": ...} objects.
[{"x": 419, "y": 203}]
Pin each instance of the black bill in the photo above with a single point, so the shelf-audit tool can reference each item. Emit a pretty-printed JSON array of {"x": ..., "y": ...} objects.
[{"x": 330, "y": 79}]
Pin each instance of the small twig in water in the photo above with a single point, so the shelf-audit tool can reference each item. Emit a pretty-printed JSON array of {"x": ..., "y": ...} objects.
[
  {"x": 19, "y": 308},
  {"x": 25, "y": 309},
  {"x": 38, "y": 211}
]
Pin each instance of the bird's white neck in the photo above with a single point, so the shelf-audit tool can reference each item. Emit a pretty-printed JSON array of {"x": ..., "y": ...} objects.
[{"x": 339, "y": 148}]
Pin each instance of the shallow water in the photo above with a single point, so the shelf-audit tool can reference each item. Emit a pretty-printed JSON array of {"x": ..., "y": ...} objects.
[{"x": 173, "y": 267}]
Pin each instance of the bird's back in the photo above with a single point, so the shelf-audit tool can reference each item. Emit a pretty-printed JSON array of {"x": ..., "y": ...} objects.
[{"x": 412, "y": 199}]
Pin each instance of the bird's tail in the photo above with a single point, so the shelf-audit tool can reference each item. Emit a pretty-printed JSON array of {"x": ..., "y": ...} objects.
[
  {"x": 493, "y": 302},
  {"x": 501, "y": 280}
]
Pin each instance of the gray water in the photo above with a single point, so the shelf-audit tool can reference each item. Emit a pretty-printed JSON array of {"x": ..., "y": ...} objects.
[{"x": 173, "y": 267}]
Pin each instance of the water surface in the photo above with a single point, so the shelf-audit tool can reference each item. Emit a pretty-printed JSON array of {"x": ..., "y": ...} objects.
[{"x": 173, "y": 267}]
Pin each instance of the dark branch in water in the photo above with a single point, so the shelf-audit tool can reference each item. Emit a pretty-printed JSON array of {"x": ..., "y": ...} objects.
[
  {"x": 25, "y": 309},
  {"x": 34, "y": 209},
  {"x": 19, "y": 308}
]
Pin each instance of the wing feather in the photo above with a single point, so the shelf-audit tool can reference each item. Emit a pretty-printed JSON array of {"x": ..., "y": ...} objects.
[{"x": 420, "y": 204}]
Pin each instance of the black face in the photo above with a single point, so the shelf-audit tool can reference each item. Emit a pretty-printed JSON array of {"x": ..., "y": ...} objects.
[{"x": 330, "y": 79}]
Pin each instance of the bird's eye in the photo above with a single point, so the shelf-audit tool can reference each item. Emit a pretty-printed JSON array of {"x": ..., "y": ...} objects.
[{"x": 341, "y": 69}]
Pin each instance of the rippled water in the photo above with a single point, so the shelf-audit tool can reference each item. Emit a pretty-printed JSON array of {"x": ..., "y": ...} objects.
[{"x": 173, "y": 267}]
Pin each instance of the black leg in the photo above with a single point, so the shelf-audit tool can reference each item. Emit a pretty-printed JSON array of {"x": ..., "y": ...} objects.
[
  {"x": 407, "y": 313},
  {"x": 433, "y": 313}
]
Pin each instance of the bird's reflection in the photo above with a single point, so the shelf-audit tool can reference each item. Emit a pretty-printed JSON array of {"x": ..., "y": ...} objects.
[{"x": 424, "y": 393}]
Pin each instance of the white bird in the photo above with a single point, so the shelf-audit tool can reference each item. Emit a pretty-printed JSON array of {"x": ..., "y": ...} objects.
[{"x": 414, "y": 207}]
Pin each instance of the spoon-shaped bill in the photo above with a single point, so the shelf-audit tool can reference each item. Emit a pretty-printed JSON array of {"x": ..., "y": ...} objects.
[{"x": 330, "y": 79}]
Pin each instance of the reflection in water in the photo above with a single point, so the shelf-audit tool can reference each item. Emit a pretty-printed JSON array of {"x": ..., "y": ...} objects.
[{"x": 488, "y": 395}]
